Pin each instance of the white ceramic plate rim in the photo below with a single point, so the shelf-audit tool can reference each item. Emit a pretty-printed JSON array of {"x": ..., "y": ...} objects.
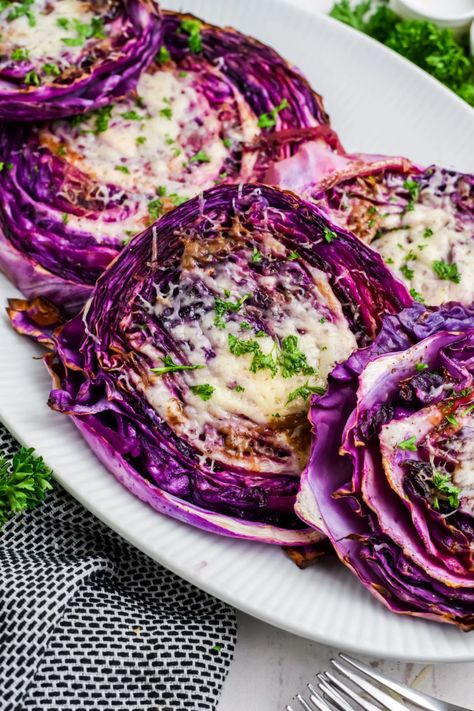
[{"x": 33, "y": 425}]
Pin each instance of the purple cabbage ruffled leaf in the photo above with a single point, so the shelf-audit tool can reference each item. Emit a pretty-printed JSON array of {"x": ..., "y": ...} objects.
[
  {"x": 214, "y": 107},
  {"x": 190, "y": 369},
  {"x": 421, "y": 220},
  {"x": 65, "y": 58},
  {"x": 390, "y": 475}
]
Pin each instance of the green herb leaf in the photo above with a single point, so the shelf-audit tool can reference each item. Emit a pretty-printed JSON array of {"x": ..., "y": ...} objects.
[
  {"x": 200, "y": 157},
  {"x": 329, "y": 235},
  {"x": 408, "y": 444},
  {"x": 20, "y": 54},
  {"x": 305, "y": 391},
  {"x": 407, "y": 272},
  {"x": 193, "y": 29},
  {"x": 256, "y": 256},
  {"x": 123, "y": 169},
  {"x": 24, "y": 483},
  {"x": 452, "y": 420},
  {"x": 51, "y": 69},
  {"x": 132, "y": 116},
  {"x": 428, "y": 232},
  {"x": 420, "y": 367},
  {"x": 416, "y": 294},
  {"x": 204, "y": 391},
  {"x": 292, "y": 256},
  {"x": 163, "y": 56},
  {"x": 32, "y": 79},
  {"x": 446, "y": 272},
  {"x": 269, "y": 119},
  {"x": 291, "y": 360},
  {"x": 445, "y": 490},
  {"x": 222, "y": 307},
  {"x": 155, "y": 208},
  {"x": 169, "y": 366}
]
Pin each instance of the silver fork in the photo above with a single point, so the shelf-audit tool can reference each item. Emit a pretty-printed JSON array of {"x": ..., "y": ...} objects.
[{"x": 336, "y": 694}]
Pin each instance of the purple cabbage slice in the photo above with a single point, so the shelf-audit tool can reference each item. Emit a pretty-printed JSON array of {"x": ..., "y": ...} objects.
[
  {"x": 190, "y": 368},
  {"x": 214, "y": 107},
  {"x": 421, "y": 220},
  {"x": 390, "y": 477},
  {"x": 62, "y": 58}
]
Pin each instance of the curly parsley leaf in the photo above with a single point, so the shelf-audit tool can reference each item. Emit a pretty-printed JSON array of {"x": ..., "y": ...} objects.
[{"x": 24, "y": 483}]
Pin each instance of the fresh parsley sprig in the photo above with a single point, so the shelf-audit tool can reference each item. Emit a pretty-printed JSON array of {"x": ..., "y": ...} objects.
[
  {"x": 24, "y": 482},
  {"x": 434, "y": 49}
]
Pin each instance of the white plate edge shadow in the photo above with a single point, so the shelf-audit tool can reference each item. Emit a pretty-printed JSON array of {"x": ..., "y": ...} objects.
[{"x": 460, "y": 652}]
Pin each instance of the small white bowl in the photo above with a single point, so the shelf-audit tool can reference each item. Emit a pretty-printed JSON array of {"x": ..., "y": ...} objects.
[{"x": 455, "y": 14}]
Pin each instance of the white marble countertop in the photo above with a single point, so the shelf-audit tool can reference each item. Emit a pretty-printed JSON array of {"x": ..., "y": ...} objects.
[{"x": 270, "y": 666}]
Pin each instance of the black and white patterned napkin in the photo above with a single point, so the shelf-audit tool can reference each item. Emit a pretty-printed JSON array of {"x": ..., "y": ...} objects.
[{"x": 88, "y": 622}]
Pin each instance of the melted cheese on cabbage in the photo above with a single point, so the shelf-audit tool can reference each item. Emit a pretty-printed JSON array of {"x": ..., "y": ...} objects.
[
  {"x": 45, "y": 39},
  {"x": 413, "y": 241},
  {"x": 242, "y": 399},
  {"x": 170, "y": 142}
]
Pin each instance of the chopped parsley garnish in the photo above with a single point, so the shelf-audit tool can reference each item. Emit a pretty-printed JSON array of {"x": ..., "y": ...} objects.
[
  {"x": 288, "y": 357},
  {"x": 155, "y": 208},
  {"x": 323, "y": 319},
  {"x": 32, "y": 79},
  {"x": 51, "y": 69},
  {"x": 256, "y": 256},
  {"x": 22, "y": 8},
  {"x": 329, "y": 235},
  {"x": 428, "y": 232},
  {"x": 169, "y": 366},
  {"x": 292, "y": 360},
  {"x": 167, "y": 112},
  {"x": 452, "y": 420},
  {"x": 408, "y": 444},
  {"x": 123, "y": 169},
  {"x": 65, "y": 217},
  {"x": 389, "y": 260},
  {"x": 227, "y": 142},
  {"x": 24, "y": 483},
  {"x": 245, "y": 326},
  {"x": 163, "y": 55},
  {"x": 446, "y": 491},
  {"x": 193, "y": 29},
  {"x": 217, "y": 647},
  {"x": 407, "y": 272},
  {"x": 20, "y": 54},
  {"x": 269, "y": 119},
  {"x": 239, "y": 346},
  {"x": 420, "y": 367},
  {"x": 204, "y": 391},
  {"x": 412, "y": 187},
  {"x": 84, "y": 32},
  {"x": 468, "y": 410},
  {"x": 305, "y": 391},
  {"x": 8, "y": 166},
  {"x": 140, "y": 140},
  {"x": 238, "y": 389},
  {"x": 446, "y": 272},
  {"x": 222, "y": 307},
  {"x": 132, "y": 116},
  {"x": 200, "y": 157},
  {"x": 292, "y": 256},
  {"x": 417, "y": 296},
  {"x": 102, "y": 118}
]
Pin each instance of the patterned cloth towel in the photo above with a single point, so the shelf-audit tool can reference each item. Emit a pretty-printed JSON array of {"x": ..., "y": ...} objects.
[{"x": 88, "y": 622}]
